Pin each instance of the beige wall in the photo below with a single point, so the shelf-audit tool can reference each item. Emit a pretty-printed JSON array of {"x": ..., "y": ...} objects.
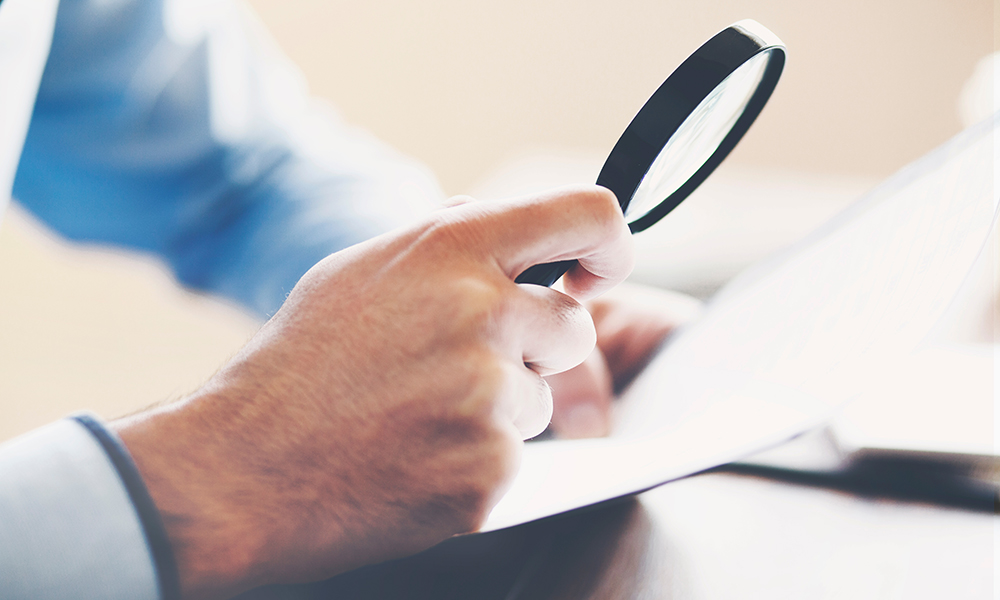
[
  {"x": 462, "y": 85},
  {"x": 87, "y": 329}
]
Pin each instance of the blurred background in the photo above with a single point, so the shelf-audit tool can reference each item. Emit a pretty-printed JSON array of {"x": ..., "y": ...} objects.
[
  {"x": 466, "y": 85},
  {"x": 501, "y": 98}
]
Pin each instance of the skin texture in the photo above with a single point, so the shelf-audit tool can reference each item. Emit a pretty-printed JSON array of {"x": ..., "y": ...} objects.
[{"x": 383, "y": 408}]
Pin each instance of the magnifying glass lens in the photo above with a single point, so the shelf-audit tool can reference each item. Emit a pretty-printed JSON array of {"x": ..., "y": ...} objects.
[
  {"x": 698, "y": 137},
  {"x": 686, "y": 128}
]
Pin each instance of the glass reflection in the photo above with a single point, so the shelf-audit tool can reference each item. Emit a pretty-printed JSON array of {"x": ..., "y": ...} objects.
[{"x": 698, "y": 137}]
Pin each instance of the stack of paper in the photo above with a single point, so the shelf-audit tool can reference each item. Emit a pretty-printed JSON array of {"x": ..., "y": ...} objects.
[{"x": 787, "y": 344}]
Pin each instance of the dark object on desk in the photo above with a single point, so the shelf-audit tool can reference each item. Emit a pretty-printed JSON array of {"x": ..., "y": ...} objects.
[
  {"x": 900, "y": 478},
  {"x": 815, "y": 459},
  {"x": 686, "y": 128}
]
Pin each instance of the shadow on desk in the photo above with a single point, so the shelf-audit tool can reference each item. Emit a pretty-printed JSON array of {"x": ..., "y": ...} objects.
[
  {"x": 711, "y": 537},
  {"x": 606, "y": 552}
]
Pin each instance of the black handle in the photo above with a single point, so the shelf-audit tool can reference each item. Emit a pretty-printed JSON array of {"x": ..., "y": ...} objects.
[{"x": 546, "y": 273}]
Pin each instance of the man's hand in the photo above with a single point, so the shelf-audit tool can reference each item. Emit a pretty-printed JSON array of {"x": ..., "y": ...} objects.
[
  {"x": 382, "y": 409},
  {"x": 632, "y": 322}
]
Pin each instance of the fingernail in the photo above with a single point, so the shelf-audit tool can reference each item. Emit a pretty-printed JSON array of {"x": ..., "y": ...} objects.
[{"x": 584, "y": 420}]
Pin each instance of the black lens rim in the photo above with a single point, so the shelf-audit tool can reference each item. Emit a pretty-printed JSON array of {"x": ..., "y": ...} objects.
[{"x": 674, "y": 101}]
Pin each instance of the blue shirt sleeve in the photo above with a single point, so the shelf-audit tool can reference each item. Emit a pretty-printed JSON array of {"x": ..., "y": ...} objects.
[{"x": 177, "y": 128}]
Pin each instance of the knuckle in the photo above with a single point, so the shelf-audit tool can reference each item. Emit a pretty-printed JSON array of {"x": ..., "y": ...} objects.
[
  {"x": 463, "y": 228},
  {"x": 472, "y": 516},
  {"x": 441, "y": 231},
  {"x": 474, "y": 461},
  {"x": 499, "y": 458},
  {"x": 458, "y": 200},
  {"x": 537, "y": 412},
  {"x": 602, "y": 204},
  {"x": 477, "y": 452},
  {"x": 477, "y": 419},
  {"x": 486, "y": 381},
  {"x": 570, "y": 312},
  {"x": 482, "y": 306}
]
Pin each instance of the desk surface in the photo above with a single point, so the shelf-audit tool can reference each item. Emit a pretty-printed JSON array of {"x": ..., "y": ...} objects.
[{"x": 708, "y": 537}]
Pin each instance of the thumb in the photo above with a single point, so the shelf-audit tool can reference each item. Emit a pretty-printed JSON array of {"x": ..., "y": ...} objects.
[{"x": 583, "y": 223}]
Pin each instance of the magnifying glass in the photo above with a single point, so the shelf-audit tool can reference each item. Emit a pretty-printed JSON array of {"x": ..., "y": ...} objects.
[{"x": 686, "y": 128}]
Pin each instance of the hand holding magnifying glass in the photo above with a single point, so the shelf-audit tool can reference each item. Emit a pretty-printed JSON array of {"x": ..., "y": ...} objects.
[{"x": 686, "y": 128}]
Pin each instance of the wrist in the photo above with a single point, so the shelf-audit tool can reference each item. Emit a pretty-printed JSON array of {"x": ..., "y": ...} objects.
[
  {"x": 150, "y": 520},
  {"x": 182, "y": 461}
]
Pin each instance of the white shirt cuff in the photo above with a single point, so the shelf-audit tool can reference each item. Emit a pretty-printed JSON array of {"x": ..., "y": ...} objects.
[{"x": 76, "y": 520}]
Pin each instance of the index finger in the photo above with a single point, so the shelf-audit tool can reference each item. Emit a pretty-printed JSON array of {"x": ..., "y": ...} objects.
[{"x": 583, "y": 223}]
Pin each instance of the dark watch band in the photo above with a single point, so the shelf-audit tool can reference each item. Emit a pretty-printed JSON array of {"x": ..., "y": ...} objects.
[{"x": 149, "y": 516}]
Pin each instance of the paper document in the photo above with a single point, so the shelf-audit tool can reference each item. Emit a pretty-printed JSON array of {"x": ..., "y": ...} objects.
[
  {"x": 781, "y": 348},
  {"x": 939, "y": 399}
]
